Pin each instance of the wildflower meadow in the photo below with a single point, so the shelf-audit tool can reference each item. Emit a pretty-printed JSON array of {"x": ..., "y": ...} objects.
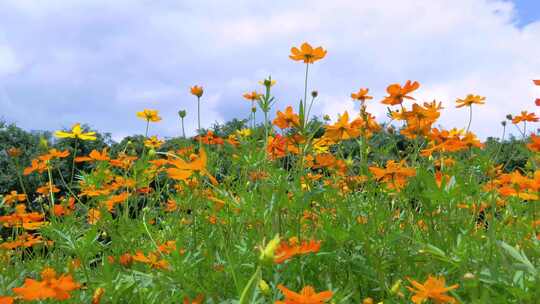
[{"x": 280, "y": 207}]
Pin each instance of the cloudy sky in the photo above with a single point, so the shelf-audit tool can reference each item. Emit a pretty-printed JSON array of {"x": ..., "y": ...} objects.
[{"x": 100, "y": 61}]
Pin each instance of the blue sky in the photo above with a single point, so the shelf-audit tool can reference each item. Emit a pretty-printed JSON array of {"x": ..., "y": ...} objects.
[
  {"x": 527, "y": 10},
  {"x": 101, "y": 61}
]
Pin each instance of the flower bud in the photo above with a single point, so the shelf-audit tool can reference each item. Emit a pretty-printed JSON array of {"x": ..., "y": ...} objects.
[
  {"x": 264, "y": 288},
  {"x": 267, "y": 254},
  {"x": 395, "y": 288},
  {"x": 314, "y": 94},
  {"x": 182, "y": 113}
]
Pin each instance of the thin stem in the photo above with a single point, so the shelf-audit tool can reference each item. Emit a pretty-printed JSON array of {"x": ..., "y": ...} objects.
[
  {"x": 309, "y": 109},
  {"x": 305, "y": 91},
  {"x": 470, "y": 118},
  {"x": 147, "y": 125},
  {"x": 19, "y": 176},
  {"x": 265, "y": 129},
  {"x": 51, "y": 195},
  {"x": 198, "y": 115},
  {"x": 254, "y": 113},
  {"x": 73, "y": 162},
  {"x": 183, "y": 130}
]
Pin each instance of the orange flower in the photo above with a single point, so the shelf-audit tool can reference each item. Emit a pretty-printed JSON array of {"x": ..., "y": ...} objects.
[
  {"x": 470, "y": 100},
  {"x": 307, "y": 53},
  {"x": 149, "y": 115},
  {"x": 306, "y": 296},
  {"x": 342, "y": 129},
  {"x": 395, "y": 175},
  {"x": 252, "y": 96},
  {"x": 94, "y": 156},
  {"x": 13, "y": 196},
  {"x": 6, "y": 300},
  {"x": 126, "y": 259},
  {"x": 24, "y": 240},
  {"x": 183, "y": 170},
  {"x": 94, "y": 216},
  {"x": 167, "y": 247},
  {"x": 198, "y": 300},
  {"x": 288, "y": 250},
  {"x": 361, "y": 95},
  {"x": 525, "y": 116},
  {"x": 65, "y": 208},
  {"x": 41, "y": 163},
  {"x": 276, "y": 147},
  {"x": 116, "y": 200},
  {"x": 433, "y": 289},
  {"x": 28, "y": 221},
  {"x": 398, "y": 93},
  {"x": 14, "y": 152},
  {"x": 210, "y": 139},
  {"x": 287, "y": 120},
  {"x": 152, "y": 259},
  {"x": 534, "y": 145},
  {"x": 197, "y": 91},
  {"x": 51, "y": 287},
  {"x": 419, "y": 119}
]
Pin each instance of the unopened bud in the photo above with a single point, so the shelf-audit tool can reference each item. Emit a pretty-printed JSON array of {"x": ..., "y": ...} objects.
[
  {"x": 264, "y": 288},
  {"x": 267, "y": 254}
]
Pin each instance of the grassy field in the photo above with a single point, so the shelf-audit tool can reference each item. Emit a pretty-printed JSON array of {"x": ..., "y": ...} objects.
[{"x": 290, "y": 210}]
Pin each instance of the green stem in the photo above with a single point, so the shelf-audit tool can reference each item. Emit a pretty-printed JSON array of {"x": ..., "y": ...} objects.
[
  {"x": 198, "y": 114},
  {"x": 305, "y": 91},
  {"x": 183, "y": 130},
  {"x": 249, "y": 289},
  {"x": 51, "y": 195},
  {"x": 19, "y": 177},
  {"x": 470, "y": 118},
  {"x": 73, "y": 162}
]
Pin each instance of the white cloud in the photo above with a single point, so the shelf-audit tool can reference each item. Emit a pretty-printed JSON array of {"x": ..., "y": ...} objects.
[{"x": 115, "y": 58}]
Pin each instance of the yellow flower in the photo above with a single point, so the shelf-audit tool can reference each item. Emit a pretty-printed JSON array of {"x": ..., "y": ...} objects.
[
  {"x": 244, "y": 132},
  {"x": 197, "y": 91},
  {"x": 149, "y": 115},
  {"x": 469, "y": 100},
  {"x": 153, "y": 142},
  {"x": 76, "y": 132}
]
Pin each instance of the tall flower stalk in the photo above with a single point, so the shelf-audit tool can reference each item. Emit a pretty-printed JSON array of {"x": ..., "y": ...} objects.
[
  {"x": 308, "y": 55},
  {"x": 198, "y": 91},
  {"x": 182, "y": 114},
  {"x": 265, "y": 102},
  {"x": 468, "y": 102},
  {"x": 76, "y": 133}
]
